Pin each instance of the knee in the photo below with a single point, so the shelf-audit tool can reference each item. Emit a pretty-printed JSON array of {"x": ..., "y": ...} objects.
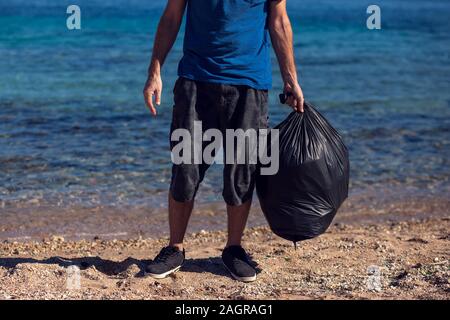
[{"x": 185, "y": 182}]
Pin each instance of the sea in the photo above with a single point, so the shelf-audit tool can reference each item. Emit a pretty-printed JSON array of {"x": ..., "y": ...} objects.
[{"x": 81, "y": 156}]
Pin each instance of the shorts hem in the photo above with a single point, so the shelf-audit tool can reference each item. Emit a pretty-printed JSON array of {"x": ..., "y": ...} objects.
[{"x": 238, "y": 202}]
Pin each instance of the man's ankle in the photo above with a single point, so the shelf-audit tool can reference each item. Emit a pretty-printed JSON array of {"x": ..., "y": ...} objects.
[
  {"x": 178, "y": 246},
  {"x": 232, "y": 243}
]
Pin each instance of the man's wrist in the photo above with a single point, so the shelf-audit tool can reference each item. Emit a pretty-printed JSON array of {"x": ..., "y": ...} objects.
[
  {"x": 290, "y": 79},
  {"x": 154, "y": 69}
]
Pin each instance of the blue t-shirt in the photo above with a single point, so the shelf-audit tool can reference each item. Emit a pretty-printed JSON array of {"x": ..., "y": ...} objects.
[{"x": 227, "y": 41}]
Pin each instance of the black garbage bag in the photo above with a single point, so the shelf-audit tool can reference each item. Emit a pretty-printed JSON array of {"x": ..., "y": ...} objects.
[{"x": 302, "y": 198}]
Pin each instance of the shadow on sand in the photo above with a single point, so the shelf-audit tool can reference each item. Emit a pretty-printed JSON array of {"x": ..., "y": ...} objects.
[{"x": 211, "y": 265}]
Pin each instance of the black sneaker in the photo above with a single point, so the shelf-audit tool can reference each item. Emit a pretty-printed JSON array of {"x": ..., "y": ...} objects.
[
  {"x": 238, "y": 264},
  {"x": 168, "y": 260}
]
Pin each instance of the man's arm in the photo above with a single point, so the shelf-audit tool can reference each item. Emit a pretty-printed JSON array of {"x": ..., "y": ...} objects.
[
  {"x": 168, "y": 28},
  {"x": 281, "y": 35}
]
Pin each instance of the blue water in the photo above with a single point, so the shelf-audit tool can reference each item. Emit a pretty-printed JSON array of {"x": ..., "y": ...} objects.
[{"x": 74, "y": 130}]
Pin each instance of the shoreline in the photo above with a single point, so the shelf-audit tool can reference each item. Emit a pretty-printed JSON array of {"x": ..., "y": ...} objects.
[
  {"x": 410, "y": 258},
  {"x": 130, "y": 222}
]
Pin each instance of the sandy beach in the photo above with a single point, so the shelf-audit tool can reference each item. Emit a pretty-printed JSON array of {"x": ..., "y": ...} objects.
[{"x": 390, "y": 260}]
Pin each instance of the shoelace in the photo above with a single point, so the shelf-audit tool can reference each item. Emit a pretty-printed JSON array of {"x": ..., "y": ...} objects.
[
  {"x": 240, "y": 254},
  {"x": 164, "y": 254}
]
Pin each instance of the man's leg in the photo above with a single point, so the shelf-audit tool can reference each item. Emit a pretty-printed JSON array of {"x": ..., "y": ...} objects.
[
  {"x": 234, "y": 256},
  {"x": 179, "y": 214},
  {"x": 237, "y": 219},
  {"x": 246, "y": 109},
  {"x": 171, "y": 257},
  {"x": 186, "y": 178}
]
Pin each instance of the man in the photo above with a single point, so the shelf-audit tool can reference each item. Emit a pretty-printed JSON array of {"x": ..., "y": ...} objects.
[{"x": 224, "y": 77}]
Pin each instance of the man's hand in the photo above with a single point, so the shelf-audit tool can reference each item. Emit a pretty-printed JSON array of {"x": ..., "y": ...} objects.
[
  {"x": 153, "y": 88},
  {"x": 295, "y": 99},
  {"x": 282, "y": 40},
  {"x": 168, "y": 28}
]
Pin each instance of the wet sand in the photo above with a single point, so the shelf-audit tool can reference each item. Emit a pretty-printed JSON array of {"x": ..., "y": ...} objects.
[
  {"x": 75, "y": 223},
  {"x": 406, "y": 259}
]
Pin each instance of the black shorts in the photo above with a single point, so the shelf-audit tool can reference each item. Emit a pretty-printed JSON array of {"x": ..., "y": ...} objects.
[{"x": 221, "y": 107}]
